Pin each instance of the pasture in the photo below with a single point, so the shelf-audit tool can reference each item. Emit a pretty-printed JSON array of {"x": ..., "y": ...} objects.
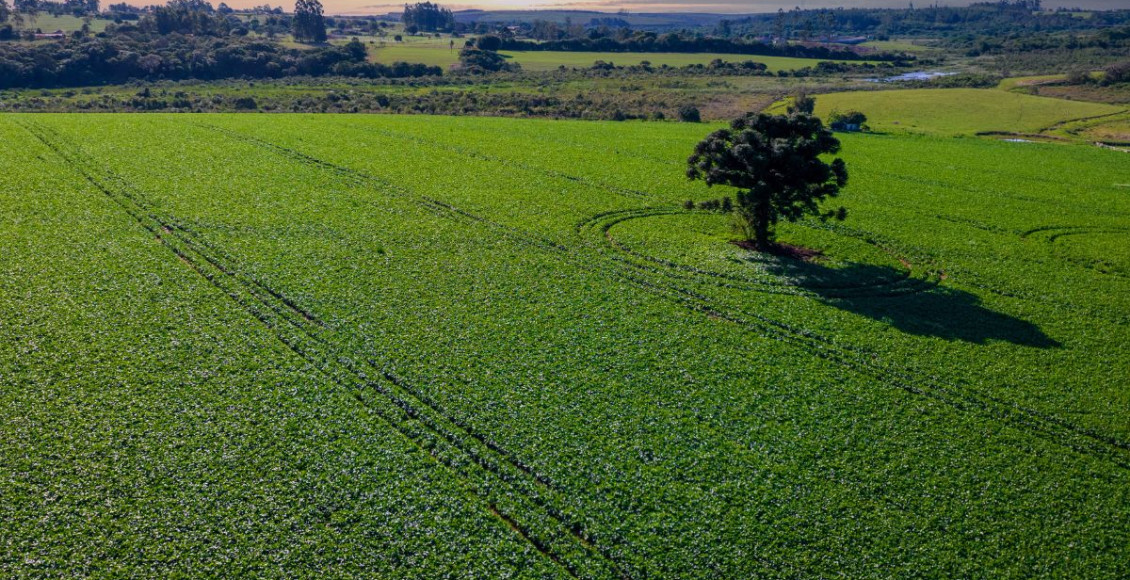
[
  {"x": 65, "y": 22},
  {"x": 438, "y": 52},
  {"x": 951, "y": 112},
  {"x": 424, "y": 346}
]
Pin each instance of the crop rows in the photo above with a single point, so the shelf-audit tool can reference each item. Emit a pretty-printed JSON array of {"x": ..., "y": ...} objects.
[
  {"x": 628, "y": 393},
  {"x": 1080, "y": 439},
  {"x": 509, "y": 486}
]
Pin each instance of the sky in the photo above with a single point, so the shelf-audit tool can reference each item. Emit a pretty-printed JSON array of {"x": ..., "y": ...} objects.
[{"x": 715, "y": 6}]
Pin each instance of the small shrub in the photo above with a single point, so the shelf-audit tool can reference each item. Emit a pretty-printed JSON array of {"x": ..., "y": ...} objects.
[
  {"x": 245, "y": 103},
  {"x": 689, "y": 114}
]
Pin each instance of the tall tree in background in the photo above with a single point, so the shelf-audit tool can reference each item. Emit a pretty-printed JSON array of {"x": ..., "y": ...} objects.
[
  {"x": 428, "y": 17},
  {"x": 25, "y": 9},
  {"x": 309, "y": 25},
  {"x": 4, "y": 11}
]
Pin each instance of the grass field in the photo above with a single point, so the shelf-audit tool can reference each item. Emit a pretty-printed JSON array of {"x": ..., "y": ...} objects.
[
  {"x": 958, "y": 111},
  {"x": 436, "y": 346},
  {"x": 1118, "y": 130},
  {"x": 439, "y": 53},
  {"x": 66, "y": 23},
  {"x": 914, "y": 46},
  {"x": 1110, "y": 128}
]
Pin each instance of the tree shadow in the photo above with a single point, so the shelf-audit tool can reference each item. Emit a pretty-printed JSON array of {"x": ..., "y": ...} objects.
[{"x": 912, "y": 306}]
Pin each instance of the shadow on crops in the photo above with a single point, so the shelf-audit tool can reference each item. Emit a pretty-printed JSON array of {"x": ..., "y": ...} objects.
[{"x": 912, "y": 307}]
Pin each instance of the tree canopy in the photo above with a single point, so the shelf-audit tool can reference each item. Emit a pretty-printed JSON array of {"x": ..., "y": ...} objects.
[
  {"x": 308, "y": 25},
  {"x": 428, "y": 17},
  {"x": 122, "y": 55},
  {"x": 774, "y": 160}
]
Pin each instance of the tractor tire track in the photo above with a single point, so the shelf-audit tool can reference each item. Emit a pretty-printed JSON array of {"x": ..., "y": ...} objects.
[
  {"x": 1083, "y": 440},
  {"x": 497, "y": 482},
  {"x": 904, "y": 282}
]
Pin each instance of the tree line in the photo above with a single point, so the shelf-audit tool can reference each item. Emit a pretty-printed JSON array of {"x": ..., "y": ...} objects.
[
  {"x": 642, "y": 41},
  {"x": 427, "y": 17},
  {"x": 990, "y": 18},
  {"x": 128, "y": 53}
]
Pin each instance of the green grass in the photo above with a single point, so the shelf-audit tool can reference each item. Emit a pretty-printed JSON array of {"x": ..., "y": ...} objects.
[
  {"x": 444, "y": 346},
  {"x": 1111, "y": 128},
  {"x": 1011, "y": 83},
  {"x": 437, "y": 52},
  {"x": 547, "y": 60},
  {"x": 913, "y": 46},
  {"x": 429, "y": 53},
  {"x": 66, "y": 23},
  {"x": 959, "y": 111}
]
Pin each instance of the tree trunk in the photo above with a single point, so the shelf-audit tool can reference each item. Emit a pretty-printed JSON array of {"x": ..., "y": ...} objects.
[{"x": 761, "y": 223}]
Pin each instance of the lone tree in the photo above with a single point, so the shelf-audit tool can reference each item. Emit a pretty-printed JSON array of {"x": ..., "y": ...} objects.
[
  {"x": 308, "y": 25},
  {"x": 775, "y": 161}
]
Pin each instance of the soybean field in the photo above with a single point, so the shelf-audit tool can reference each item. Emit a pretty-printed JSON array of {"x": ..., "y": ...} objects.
[{"x": 279, "y": 345}]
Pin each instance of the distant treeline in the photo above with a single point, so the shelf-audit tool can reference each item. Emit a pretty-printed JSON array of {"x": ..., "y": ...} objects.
[
  {"x": 1111, "y": 39},
  {"x": 124, "y": 56},
  {"x": 984, "y": 19},
  {"x": 674, "y": 42},
  {"x": 619, "y": 107}
]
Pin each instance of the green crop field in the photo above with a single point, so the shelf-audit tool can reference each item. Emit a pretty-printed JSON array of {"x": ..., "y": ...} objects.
[
  {"x": 959, "y": 111},
  {"x": 438, "y": 52},
  {"x": 290, "y": 345}
]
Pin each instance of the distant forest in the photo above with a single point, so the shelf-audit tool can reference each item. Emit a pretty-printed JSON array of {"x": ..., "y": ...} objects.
[
  {"x": 990, "y": 18},
  {"x": 190, "y": 39}
]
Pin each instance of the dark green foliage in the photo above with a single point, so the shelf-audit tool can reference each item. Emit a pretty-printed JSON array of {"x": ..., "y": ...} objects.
[
  {"x": 847, "y": 120},
  {"x": 489, "y": 42},
  {"x": 473, "y": 60},
  {"x": 641, "y": 41},
  {"x": 1078, "y": 76},
  {"x": 774, "y": 161},
  {"x": 1118, "y": 72},
  {"x": 983, "y": 18},
  {"x": 427, "y": 17},
  {"x": 185, "y": 17},
  {"x": 802, "y": 103},
  {"x": 308, "y": 25},
  {"x": 125, "y": 56},
  {"x": 30, "y": 7},
  {"x": 957, "y": 81},
  {"x": 689, "y": 114}
]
